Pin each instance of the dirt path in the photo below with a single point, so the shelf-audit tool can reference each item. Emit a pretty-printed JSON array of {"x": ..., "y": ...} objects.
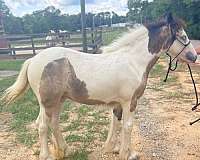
[
  {"x": 9, "y": 148},
  {"x": 161, "y": 128}
]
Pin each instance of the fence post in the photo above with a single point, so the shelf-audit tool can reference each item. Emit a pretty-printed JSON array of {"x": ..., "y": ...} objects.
[
  {"x": 83, "y": 22},
  {"x": 33, "y": 46},
  {"x": 13, "y": 53}
]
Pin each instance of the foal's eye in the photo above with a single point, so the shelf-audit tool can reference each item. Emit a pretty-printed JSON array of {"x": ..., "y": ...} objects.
[{"x": 184, "y": 38}]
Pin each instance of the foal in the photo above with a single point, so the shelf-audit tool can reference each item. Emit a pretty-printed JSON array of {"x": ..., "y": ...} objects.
[{"x": 117, "y": 79}]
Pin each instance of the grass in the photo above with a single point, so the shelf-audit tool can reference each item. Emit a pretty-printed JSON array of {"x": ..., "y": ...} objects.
[
  {"x": 175, "y": 95},
  {"x": 109, "y": 37},
  {"x": 81, "y": 154},
  {"x": 24, "y": 112},
  {"x": 157, "y": 70},
  {"x": 11, "y": 65}
]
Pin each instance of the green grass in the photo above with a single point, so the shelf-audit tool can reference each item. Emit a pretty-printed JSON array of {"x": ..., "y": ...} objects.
[
  {"x": 158, "y": 70},
  {"x": 109, "y": 37},
  {"x": 81, "y": 154},
  {"x": 11, "y": 65},
  {"x": 24, "y": 112}
]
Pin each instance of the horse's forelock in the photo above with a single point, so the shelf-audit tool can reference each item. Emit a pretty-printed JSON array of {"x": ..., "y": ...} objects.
[{"x": 176, "y": 26}]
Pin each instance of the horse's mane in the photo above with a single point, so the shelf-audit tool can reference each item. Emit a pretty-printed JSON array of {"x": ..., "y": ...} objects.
[{"x": 129, "y": 38}]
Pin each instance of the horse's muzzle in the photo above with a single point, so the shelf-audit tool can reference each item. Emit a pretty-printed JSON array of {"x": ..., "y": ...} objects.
[{"x": 191, "y": 57}]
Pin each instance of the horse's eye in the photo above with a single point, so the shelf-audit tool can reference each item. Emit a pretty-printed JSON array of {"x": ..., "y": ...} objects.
[{"x": 184, "y": 38}]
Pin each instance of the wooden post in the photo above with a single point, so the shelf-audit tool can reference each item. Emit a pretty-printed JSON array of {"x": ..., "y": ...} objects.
[
  {"x": 92, "y": 35},
  {"x": 12, "y": 51},
  {"x": 32, "y": 43},
  {"x": 83, "y": 22}
]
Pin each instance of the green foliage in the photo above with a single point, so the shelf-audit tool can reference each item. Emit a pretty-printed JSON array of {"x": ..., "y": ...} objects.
[
  {"x": 50, "y": 18},
  {"x": 3, "y": 8},
  {"x": 13, "y": 24},
  {"x": 141, "y": 11}
]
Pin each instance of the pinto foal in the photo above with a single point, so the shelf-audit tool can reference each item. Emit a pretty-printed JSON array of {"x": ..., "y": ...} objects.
[{"x": 117, "y": 79}]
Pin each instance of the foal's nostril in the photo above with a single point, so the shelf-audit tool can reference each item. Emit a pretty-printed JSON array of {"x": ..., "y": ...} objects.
[{"x": 191, "y": 57}]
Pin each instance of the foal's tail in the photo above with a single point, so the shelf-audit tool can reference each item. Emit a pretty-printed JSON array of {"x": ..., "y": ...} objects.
[{"x": 19, "y": 87}]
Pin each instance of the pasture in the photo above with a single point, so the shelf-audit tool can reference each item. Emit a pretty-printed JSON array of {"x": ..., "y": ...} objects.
[{"x": 161, "y": 125}]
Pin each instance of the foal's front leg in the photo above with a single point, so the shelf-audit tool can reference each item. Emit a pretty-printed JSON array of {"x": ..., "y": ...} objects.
[
  {"x": 111, "y": 144},
  {"x": 126, "y": 152}
]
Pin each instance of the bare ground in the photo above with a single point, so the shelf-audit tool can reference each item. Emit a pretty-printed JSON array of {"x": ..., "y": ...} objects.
[
  {"x": 161, "y": 128},
  {"x": 9, "y": 148}
]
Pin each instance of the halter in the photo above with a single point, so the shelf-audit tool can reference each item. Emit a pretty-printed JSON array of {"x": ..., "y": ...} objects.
[
  {"x": 190, "y": 71},
  {"x": 170, "y": 58}
]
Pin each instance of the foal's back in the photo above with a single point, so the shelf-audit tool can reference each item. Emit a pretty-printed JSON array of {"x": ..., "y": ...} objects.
[{"x": 59, "y": 71}]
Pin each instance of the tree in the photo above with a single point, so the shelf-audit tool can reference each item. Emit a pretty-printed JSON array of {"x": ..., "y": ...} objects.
[
  {"x": 4, "y": 9},
  {"x": 13, "y": 25},
  {"x": 50, "y": 18},
  {"x": 188, "y": 10}
]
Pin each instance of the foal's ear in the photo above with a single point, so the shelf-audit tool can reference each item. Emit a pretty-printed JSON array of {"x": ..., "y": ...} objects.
[
  {"x": 169, "y": 18},
  {"x": 150, "y": 26}
]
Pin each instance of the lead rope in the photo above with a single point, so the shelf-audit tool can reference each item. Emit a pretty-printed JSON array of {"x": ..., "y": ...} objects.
[
  {"x": 170, "y": 66},
  {"x": 196, "y": 94},
  {"x": 194, "y": 85}
]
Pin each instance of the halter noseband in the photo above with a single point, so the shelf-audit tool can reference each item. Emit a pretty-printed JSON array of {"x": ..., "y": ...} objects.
[
  {"x": 190, "y": 71},
  {"x": 170, "y": 58}
]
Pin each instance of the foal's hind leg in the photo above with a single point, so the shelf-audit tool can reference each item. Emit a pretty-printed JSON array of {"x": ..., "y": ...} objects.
[
  {"x": 43, "y": 129},
  {"x": 59, "y": 144},
  {"x": 111, "y": 144},
  {"x": 126, "y": 152},
  {"x": 37, "y": 121}
]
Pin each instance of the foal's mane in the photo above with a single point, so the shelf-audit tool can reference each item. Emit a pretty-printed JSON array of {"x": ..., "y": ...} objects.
[{"x": 130, "y": 38}]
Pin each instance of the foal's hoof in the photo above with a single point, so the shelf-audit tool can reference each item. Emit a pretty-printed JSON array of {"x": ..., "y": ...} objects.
[
  {"x": 128, "y": 156},
  {"x": 107, "y": 148},
  {"x": 134, "y": 156},
  {"x": 46, "y": 158},
  {"x": 111, "y": 148},
  {"x": 57, "y": 153},
  {"x": 116, "y": 149}
]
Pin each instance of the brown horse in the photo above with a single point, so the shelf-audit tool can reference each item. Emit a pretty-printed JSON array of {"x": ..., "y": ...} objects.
[{"x": 117, "y": 79}]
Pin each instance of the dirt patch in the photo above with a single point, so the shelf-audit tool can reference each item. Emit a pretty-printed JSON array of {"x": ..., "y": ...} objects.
[{"x": 9, "y": 148}]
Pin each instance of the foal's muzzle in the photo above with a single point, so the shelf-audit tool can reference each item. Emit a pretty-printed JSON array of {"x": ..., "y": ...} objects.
[{"x": 191, "y": 57}]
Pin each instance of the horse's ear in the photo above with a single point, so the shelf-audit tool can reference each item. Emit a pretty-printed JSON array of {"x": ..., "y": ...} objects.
[
  {"x": 149, "y": 26},
  {"x": 146, "y": 25},
  {"x": 170, "y": 18}
]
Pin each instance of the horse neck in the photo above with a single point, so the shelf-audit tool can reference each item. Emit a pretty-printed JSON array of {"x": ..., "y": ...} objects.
[{"x": 140, "y": 57}]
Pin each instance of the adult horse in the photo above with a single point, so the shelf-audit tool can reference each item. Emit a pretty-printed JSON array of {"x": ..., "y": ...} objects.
[{"x": 117, "y": 79}]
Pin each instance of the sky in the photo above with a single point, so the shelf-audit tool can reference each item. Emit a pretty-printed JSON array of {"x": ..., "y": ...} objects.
[{"x": 22, "y": 7}]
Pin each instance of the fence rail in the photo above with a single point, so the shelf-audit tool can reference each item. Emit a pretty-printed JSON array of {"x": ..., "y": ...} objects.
[{"x": 34, "y": 42}]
